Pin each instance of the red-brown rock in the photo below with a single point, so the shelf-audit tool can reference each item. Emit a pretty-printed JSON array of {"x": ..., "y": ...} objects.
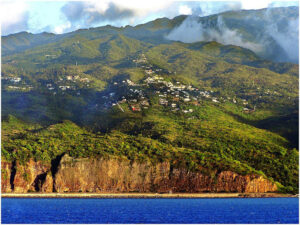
[
  {"x": 5, "y": 176},
  {"x": 29, "y": 177},
  {"x": 114, "y": 175},
  {"x": 120, "y": 175}
]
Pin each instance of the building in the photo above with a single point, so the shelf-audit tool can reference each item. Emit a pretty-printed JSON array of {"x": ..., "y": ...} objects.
[
  {"x": 163, "y": 101},
  {"x": 144, "y": 103},
  {"x": 63, "y": 88},
  {"x": 15, "y": 79},
  {"x": 215, "y": 100},
  {"x": 196, "y": 103},
  {"x": 149, "y": 71},
  {"x": 135, "y": 108}
]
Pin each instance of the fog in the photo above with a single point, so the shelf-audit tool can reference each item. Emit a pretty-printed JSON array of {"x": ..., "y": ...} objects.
[
  {"x": 192, "y": 31},
  {"x": 281, "y": 30}
]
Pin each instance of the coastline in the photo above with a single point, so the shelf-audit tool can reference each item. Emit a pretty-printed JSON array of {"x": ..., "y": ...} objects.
[{"x": 146, "y": 195}]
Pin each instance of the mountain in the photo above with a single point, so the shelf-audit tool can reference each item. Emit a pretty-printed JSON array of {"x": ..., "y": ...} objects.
[
  {"x": 132, "y": 94},
  {"x": 271, "y": 33},
  {"x": 18, "y": 42}
]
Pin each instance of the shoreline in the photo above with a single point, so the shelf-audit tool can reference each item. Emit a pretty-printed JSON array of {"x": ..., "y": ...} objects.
[{"x": 146, "y": 195}]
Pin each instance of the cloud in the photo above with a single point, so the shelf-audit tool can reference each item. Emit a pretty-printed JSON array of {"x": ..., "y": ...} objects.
[
  {"x": 276, "y": 36},
  {"x": 56, "y": 15},
  {"x": 205, "y": 8},
  {"x": 192, "y": 31},
  {"x": 185, "y": 10},
  {"x": 283, "y": 4},
  {"x": 61, "y": 28},
  {"x": 83, "y": 14},
  {"x": 14, "y": 17},
  {"x": 91, "y": 13},
  {"x": 286, "y": 34},
  {"x": 120, "y": 12},
  {"x": 255, "y": 4}
]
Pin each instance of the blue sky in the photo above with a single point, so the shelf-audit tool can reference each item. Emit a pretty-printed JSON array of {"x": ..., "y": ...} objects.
[{"x": 65, "y": 16}]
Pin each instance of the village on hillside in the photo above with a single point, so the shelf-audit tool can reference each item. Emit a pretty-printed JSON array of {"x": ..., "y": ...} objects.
[{"x": 155, "y": 88}]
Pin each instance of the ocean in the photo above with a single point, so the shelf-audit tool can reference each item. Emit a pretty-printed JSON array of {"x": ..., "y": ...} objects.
[{"x": 88, "y": 211}]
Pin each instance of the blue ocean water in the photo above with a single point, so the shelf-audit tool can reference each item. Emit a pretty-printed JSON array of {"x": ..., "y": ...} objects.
[{"x": 230, "y": 210}]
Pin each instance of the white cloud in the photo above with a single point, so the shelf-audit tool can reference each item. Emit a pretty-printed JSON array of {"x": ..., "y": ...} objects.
[
  {"x": 192, "y": 31},
  {"x": 13, "y": 16},
  {"x": 61, "y": 28},
  {"x": 93, "y": 12},
  {"x": 19, "y": 15},
  {"x": 288, "y": 38},
  {"x": 249, "y": 4},
  {"x": 144, "y": 7},
  {"x": 185, "y": 10}
]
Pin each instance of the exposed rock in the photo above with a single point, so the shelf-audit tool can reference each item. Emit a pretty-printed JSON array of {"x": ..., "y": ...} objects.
[
  {"x": 258, "y": 184},
  {"x": 6, "y": 171},
  {"x": 120, "y": 175},
  {"x": 30, "y": 177},
  {"x": 47, "y": 186},
  {"x": 113, "y": 175}
]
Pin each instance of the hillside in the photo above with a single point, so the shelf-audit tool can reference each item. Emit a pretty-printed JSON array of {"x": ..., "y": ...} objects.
[{"x": 131, "y": 94}]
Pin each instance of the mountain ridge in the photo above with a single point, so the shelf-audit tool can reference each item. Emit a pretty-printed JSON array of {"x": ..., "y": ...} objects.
[{"x": 156, "y": 31}]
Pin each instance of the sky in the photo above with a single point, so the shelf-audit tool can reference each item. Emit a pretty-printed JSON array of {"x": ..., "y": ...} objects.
[{"x": 66, "y": 16}]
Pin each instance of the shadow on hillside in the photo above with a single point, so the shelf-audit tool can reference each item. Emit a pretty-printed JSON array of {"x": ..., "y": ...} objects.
[
  {"x": 285, "y": 125},
  {"x": 92, "y": 108}
]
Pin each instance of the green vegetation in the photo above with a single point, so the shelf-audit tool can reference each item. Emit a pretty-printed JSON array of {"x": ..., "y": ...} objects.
[
  {"x": 86, "y": 94},
  {"x": 213, "y": 141}
]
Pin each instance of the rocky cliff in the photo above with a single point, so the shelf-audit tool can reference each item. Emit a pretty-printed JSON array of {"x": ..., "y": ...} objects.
[
  {"x": 6, "y": 171},
  {"x": 21, "y": 178},
  {"x": 116, "y": 175}
]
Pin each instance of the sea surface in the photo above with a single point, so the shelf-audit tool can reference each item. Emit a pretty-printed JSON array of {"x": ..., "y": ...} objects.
[{"x": 226, "y": 210}]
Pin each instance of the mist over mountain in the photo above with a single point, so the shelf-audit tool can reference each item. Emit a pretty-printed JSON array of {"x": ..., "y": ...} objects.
[{"x": 271, "y": 33}]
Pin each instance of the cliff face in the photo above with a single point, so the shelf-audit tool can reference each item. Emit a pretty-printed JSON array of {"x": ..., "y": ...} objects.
[
  {"x": 23, "y": 178},
  {"x": 113, "y": 175},
  {"x": 30, "y": 177},
  {"x": 122, "y": 176},
  {"x": 6, "y": 171}
]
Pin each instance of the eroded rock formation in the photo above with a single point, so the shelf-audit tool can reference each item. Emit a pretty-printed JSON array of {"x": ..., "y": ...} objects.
[
  {"x": 21, "y": 178},
  {"x": 120, "y": 175},
  {"x": 6, "y": 172}
]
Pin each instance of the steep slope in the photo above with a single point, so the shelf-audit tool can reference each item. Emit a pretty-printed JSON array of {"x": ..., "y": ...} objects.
[{"x": 119, "y": 175}]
